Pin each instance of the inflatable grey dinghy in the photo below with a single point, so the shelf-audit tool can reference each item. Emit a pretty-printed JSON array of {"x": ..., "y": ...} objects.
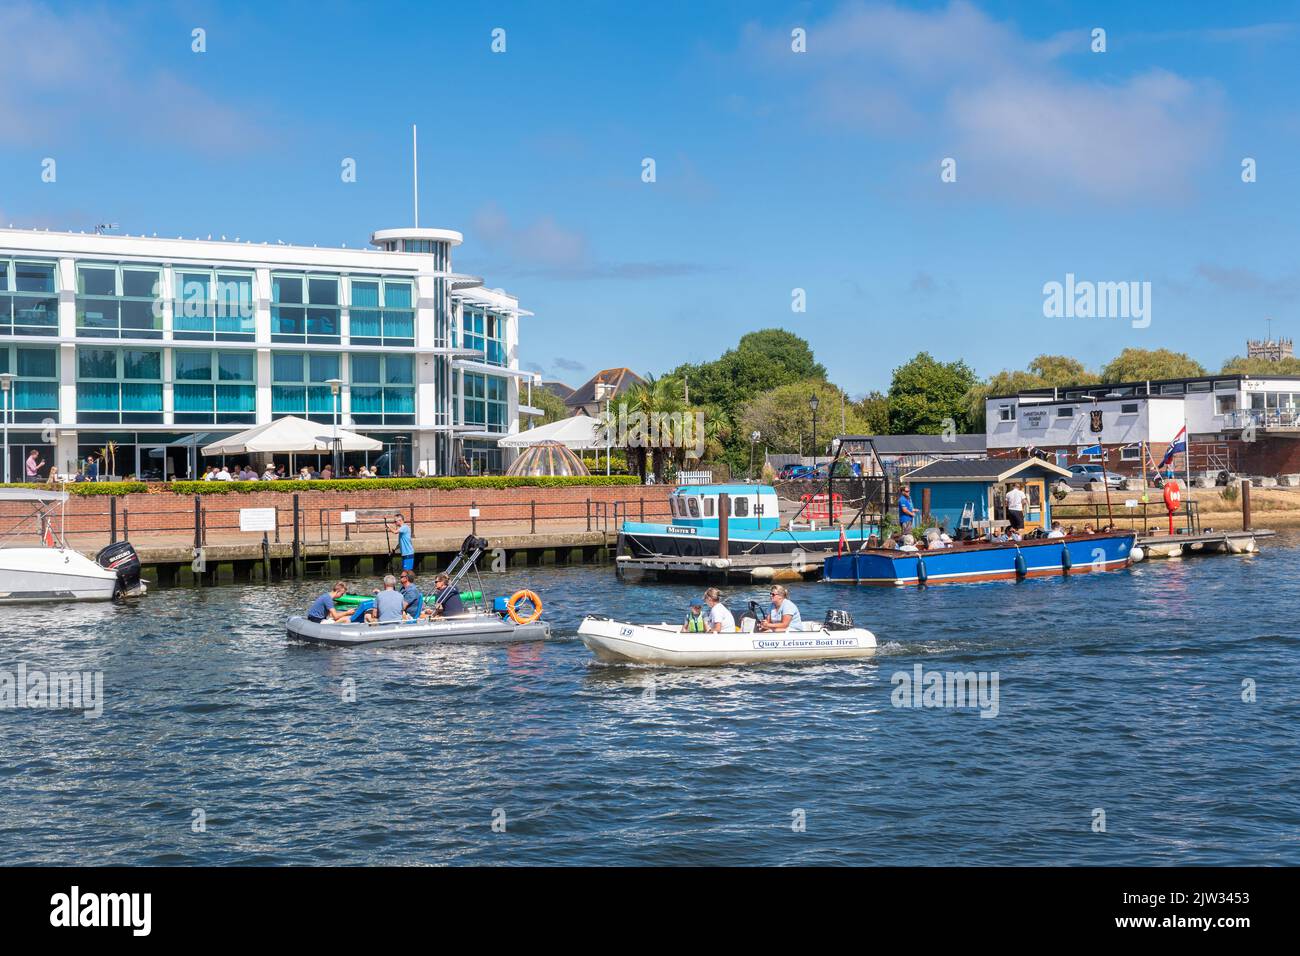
[{"x": 477, "y": 628}]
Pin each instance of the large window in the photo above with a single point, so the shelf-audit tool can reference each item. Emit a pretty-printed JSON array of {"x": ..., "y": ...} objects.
[
  {"x": 119, "y": 385},
  {"x": 298, "y": 385},
  {"x": 486, "y": 402},
  {"x": 305, "y": 308},
  {"x": 383, "y": 389},
  {"x": 484, "y": 332},
  {"x": 119, "y": 301},
  {"x": 381, "y": 313},
  {"x": 29, "y": 298},
  {"x": 214, "y": 387},
  {"x": 212, "y": 305},
  {"x": 34, "y": 395}
]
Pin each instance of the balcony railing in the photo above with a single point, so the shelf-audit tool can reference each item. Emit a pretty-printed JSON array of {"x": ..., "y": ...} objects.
[{"x": 1262, "y": 418}]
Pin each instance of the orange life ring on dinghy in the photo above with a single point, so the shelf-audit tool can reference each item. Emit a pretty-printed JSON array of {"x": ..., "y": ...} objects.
[{"x": 524, "y": 596}]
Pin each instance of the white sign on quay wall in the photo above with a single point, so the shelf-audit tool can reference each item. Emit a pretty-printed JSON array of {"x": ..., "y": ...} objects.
[
  {"x": 348, "y": 517},
  {"x": 256, "y": 519}
]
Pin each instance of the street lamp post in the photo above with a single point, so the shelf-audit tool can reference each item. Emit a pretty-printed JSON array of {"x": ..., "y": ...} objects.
[
  {"x": 6, "y": 383},
  {"x": 813, "y": 402},
  {"x": 754, "y": 436},
  {"x": 335, "y": 384}
]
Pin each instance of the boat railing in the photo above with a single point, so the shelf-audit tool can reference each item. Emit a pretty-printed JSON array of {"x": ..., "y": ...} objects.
[{"x": 1143, "y": 514}]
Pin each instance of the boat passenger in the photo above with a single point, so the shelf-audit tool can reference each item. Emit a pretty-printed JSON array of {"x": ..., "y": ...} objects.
[
  {"x": 908, "y": 543},
  {"x": 322, "y": 610},
  {"x": 1057, "y": 531},
  {"x": 784, "y": 616},
  {"x": 1087, "y": 528},
  {"x": 412, "y": 596},
  {"x": 449, "y": 602},
  {"x": 1016, "y": 507},
  {"x": 721, "y": 620},
  {"x": 404, "y": 544},
  {"x": 695, "y": 623},
  {"x": 943, "y": 541},
  {"x": 388, "y": 603},
  {"x": 906, "y": 513},
  {"x": 999, "y": 537}
]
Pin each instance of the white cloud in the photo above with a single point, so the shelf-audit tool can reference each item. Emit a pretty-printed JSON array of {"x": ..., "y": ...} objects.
[
  {"x": 80, "y": 74},
  {"x": 956, "y": 82}
]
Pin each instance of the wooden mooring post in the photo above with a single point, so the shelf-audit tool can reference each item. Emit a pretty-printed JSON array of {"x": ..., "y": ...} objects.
[
  {"x": 724, "y": 511},
  {"x": 1245, "y": 506}
]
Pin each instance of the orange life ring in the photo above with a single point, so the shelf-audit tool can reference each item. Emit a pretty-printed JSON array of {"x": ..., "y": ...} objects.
[{"x": 524, "y": 596}]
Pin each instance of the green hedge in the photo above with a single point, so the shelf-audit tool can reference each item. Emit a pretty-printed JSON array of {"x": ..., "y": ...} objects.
[
  {"x": 396, "y": 484},
  {"x": 89, "y": 488}
]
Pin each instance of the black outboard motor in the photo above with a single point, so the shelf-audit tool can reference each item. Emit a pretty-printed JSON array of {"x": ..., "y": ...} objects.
[
  {"x": 121, "y": 557},
  {"x": 839, "y": 620}
]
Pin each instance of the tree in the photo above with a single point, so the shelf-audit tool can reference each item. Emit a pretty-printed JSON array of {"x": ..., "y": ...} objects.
[
  {"x": 783, "y": 417},
  {"x": 1238, "y": 365},
  {"x": 926, "y": 395},
  {"x": 552, "y": 406},
  {"x": 1136, "y": 365},
  {"x": 873, "y": 409},
  {"x": 1045, "y": 371}
]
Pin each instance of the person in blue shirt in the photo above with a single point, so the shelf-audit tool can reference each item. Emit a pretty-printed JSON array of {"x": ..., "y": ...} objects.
[
  {"x": 784, "y": 615},
  {"x": 322, "y": 609},
  {"x": 404, "y": 545},
  {"x": 906, "y": 513},
  {"x": 412, "y": 596}
]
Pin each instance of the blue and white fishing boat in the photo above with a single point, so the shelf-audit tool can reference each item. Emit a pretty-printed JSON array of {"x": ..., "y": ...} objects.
[
  {"x": 753, "y": 526},
  {"x": 967, "y": 497}
]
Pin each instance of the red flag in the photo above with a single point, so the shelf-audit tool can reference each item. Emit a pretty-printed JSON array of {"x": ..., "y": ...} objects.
[{"x": 49, "y": 537}]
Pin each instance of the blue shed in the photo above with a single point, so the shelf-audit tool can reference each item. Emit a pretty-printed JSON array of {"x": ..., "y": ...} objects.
[{"x": 982, "y": 483}]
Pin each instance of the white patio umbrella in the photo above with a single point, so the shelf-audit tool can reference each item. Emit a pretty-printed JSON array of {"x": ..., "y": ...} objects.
[
  {"x": 291, "y": 436},
  {"x": 580, "y": 431}
]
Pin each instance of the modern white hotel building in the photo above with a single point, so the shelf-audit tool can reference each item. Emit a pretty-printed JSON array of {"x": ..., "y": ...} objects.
[{"x": 163, "y": 345}]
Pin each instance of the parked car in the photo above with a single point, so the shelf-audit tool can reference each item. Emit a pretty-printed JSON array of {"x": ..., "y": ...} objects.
[
  {"x": 796, "y": 472},
  {"x": 1083, "y": 475}
]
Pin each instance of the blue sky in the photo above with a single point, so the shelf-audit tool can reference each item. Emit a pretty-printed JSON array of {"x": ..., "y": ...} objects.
[{"x": 775, "y": 170}]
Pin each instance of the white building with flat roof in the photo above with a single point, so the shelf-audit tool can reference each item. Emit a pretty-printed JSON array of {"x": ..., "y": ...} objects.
[
  {"x": 161, "y": 345},
  {"x": 1239, "y": 422}
]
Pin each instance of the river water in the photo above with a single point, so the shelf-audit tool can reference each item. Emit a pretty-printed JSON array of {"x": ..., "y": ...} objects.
[{"x": 1120, "y": 733}]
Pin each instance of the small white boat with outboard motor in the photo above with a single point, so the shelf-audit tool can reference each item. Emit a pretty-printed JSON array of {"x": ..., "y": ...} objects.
[
  {"x": 618, "y": 642},
  {"x": 506, "y": 622},
  {"x": 52, "y": 571}
]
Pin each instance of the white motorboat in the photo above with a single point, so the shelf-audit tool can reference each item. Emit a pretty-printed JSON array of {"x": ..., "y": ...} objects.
[
  {"x": 617, "y": 642},
  {"x": 55, "y": 572}
]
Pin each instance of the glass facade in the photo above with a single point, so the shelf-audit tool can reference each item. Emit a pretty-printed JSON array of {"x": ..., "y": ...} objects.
[
  {"x": 216, "y": 329},
  {"x": 486, "y": 402},
  {"x": 34, "y": 395},
  {"x": 382, "y": 312},
  {"x": 119, "y": 385},
  {"x": 213, "y": 305},
  {"x": 484, "y": 332},
  {"x": 119, "y": 301},
  {"x": 29, "y": 298},
  {"x": 298, "y": 385},
  {"x": 214, "y": 387},
  {"x": 305, "y": 308},
  {"x": 383, "y": 389}
]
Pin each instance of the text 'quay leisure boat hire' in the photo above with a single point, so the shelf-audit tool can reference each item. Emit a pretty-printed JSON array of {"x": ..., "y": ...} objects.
[
  {"x": 753, "y": 526},
  {"x": 666, "y": 645}
]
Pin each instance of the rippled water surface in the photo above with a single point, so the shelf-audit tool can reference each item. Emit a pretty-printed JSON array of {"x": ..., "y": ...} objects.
[{"x": 1119, "y": 693}]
